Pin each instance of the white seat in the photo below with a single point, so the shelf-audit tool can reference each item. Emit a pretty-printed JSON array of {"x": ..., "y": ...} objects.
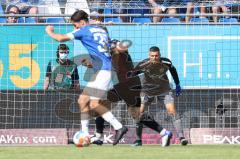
[
  {"x": 73, "y": 5},
  {"x": 49, "y": 7}
]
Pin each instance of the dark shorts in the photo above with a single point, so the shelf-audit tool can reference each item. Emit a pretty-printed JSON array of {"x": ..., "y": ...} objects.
[{"x": 128, "y": 91}]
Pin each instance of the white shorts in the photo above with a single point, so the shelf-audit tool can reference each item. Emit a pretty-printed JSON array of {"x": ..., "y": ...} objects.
[{"x": 99, "y": 85}]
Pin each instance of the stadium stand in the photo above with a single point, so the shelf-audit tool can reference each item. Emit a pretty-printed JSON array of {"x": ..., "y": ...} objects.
[
  {"x": 228, "y": 20},
  {"x": 141, "y": 20},
  {"x": 2, "y": 20},
  {"x": 170, "y": 20},
  {"x": 199, "y": 20},
  {"x": 141, "y": 7},
  {"x": 30, "y": 20},
  {"x": 114, "y": 20},
  {"x": 49, "y": 7},
  {"x": 72, "y": 5},
  {"x": 1, "y": 10},
  {"x": 55, "y": 20},
  {"x": 21, "y": 20}
]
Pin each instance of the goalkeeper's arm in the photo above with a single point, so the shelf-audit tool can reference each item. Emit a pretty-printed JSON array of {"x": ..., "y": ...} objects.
[{"x": 174, "y": 74}]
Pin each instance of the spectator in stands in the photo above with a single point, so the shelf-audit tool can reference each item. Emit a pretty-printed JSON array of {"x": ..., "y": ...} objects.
[
  {"x": 24, "y": 6},
  {"x": 12, "y": 19},
  {"x": 13, "y": 9},
  {"x": 160, "y": 7},
  {"x": 163, "y": 6},
  {"x": 115, "y": 7},
  {"x": 62, "y": 73},
  {"x": 96, "y": 19},
  {"x": 171, "y": 11},
  {"x": 96, "y": 7},
  {"x": 218, "y": 5},
  {"x": 190, "y": 10}
]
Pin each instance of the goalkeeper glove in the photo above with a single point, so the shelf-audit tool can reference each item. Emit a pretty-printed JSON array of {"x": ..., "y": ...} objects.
[{"x": 178, "y": 90}]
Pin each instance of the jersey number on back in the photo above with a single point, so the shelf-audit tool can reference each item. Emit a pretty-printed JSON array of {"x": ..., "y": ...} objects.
[{"x": 102, "y": 40}]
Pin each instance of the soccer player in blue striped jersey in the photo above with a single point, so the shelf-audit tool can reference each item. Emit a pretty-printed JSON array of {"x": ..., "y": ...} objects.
[{"x": 96, "y": 40}]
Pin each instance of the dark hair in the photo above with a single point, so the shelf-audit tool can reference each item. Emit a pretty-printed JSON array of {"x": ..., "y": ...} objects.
[
  {"x": 11, "y": 6},
  {"x": 79, "y": 15},
  {"x": 61, "y": 47},
  {"x": 154, "y": 49}
]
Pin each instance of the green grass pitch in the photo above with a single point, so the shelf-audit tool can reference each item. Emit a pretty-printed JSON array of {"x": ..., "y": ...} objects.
[{"x": 123, "y": 152}]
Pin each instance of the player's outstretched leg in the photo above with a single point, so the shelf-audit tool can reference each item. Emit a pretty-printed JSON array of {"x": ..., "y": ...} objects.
[
  {"x": 101, "y": 108},
  {"x": 98, "y": 136},
  {"x": 176, "y": 119},
  {"x": 147, "y": 120}
]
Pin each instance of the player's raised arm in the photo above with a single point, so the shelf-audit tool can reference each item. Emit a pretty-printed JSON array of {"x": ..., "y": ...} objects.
[
  {"x": 59, "y": 37},
  {"x": 138, "y": 69},
  {"x": 174, "y": 74}
]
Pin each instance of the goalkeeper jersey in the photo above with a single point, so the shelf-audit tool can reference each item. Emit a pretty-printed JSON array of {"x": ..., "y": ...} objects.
[{"x": 155, "y": 80}]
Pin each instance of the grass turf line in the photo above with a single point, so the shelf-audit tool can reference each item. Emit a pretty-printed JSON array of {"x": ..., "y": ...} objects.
[{"x": 123, "y": 152}]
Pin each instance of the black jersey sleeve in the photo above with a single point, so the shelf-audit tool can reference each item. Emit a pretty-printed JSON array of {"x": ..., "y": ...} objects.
[
  {"x": 49, "y": 70},
  {"x": 75, "y": 75},
  {"x": 172, "y": 70},
  {"x": 138, "y": 69}
]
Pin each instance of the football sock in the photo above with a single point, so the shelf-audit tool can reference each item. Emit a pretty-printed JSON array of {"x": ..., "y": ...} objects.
[
  {"x": 99, "y": 125},
  {"x": 85, "y": 121},
  {"x": 162, "y": 133},
  {"x": 147, "y": 120},
  {"x": 176, "y": 120},
  {"x": 139, "y": 127},
  {"x": 85, "y": 124},
  {"x": 108, "y": 116}
]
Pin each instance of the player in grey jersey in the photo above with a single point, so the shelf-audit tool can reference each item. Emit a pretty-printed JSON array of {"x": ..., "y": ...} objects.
[{"x": 156, "y": 84}]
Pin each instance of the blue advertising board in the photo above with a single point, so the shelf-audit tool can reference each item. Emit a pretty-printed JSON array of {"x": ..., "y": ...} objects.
[{"x": 206, "y": 56}]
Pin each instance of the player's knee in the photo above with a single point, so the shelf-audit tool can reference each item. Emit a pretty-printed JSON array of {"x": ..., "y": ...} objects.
[
  {"x": 135, "y": 112},
  {"x": 171, "y": 110},
  {"x": 146, "y": 116},
  {"x": 169, "y": 100},
  {"x": 82, "y": 102},
  {"x": 95, "y": 103}
]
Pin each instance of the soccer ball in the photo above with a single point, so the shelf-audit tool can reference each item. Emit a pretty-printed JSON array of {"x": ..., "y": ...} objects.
[{"x": 81, "y": 139}]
